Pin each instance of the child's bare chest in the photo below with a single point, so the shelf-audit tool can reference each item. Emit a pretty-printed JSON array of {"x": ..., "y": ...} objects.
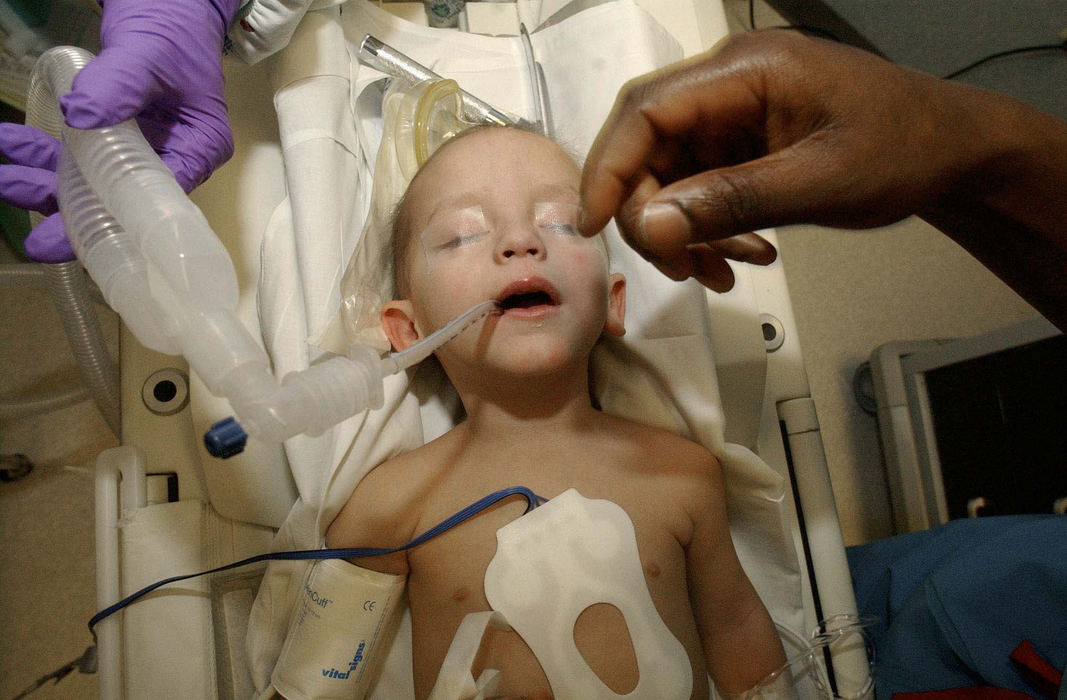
[{"x": 448, "y": 577}]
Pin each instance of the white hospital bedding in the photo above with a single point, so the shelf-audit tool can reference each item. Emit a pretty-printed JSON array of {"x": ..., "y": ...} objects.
[{"x": 662, "y": 373}]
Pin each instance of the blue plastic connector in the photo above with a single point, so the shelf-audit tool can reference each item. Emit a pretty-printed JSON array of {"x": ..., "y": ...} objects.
[{"x": 226, "y": 438}]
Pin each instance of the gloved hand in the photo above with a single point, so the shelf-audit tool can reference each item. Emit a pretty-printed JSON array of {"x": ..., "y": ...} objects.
[
  {"x": 30, "y": 183},
  {"x": 161, "y": 62}
]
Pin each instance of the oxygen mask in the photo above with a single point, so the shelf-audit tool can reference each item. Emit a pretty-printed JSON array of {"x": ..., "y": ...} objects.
[{"x": 427, "y": 114}]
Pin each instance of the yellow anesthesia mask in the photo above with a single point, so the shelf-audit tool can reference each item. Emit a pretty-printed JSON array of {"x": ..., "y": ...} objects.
[{"x": 428, "y": 113}]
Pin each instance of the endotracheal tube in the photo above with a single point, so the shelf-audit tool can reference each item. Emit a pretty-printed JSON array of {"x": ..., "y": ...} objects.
[
  {"x": 323, "y": 395},
  {"x": 161, "y": 267}
]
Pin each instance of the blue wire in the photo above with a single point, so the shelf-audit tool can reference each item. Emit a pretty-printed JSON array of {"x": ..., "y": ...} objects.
[{"x": 532, "y": 501}]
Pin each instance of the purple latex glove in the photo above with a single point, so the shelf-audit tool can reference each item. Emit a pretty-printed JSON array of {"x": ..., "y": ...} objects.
[
  {"x": 31, "y": 184},
  {"x": 161, "y": 61}
]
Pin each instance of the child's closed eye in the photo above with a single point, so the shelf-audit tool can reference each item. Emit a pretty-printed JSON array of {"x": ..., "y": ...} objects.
[
  {"x": 461, "y": 240},
  {"x": 561, "y": 228},
  {"x": 455, "y": 230},
  {"x": 557, "y": 217}
]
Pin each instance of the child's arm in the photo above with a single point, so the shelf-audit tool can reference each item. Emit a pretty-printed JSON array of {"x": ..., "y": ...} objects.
[
  {"x": 377, "y": 516},
  {"x": 739, "y": 640}
]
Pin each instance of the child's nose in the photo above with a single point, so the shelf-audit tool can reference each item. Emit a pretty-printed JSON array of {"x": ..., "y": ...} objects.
[{"x": 521, "y": 240}]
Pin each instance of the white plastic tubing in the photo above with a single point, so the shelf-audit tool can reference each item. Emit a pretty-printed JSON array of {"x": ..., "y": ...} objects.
[{"x": 160, "y": 266}]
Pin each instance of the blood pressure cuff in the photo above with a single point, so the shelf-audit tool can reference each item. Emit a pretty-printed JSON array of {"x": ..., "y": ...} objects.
[{"x": 953, "y": 603}]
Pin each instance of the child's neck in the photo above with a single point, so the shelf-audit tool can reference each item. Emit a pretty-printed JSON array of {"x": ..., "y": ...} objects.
[{"x": 527, "y": 406}]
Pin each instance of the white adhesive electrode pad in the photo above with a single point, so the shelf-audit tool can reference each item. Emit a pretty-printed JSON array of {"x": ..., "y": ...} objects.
[{"x": 556, "y": 561}]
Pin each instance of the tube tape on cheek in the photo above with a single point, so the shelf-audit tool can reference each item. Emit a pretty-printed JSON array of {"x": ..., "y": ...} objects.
[
  {"x": 338, "y": 632},
  {"x": 556, "y": 561}
]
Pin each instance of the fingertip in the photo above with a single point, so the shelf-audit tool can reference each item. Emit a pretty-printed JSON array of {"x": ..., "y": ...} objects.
[
  {"x": 589, "y": 224},
  {"x": 746, "y": 247},
  {"x": 600, "y": 195},
  {"x": 762, "y": 252},
  {"x": 720, "y": 284},
  {"x": 669, "y": 271},
  {"x": 612, "y": 172},
  {"x": 678, "y": 267},
  {"x": 765, "y": 254},
  {"x": 82, "y": 112},
  {"x": 711, "y": 269},
  {"x": 48, "y": 242}
]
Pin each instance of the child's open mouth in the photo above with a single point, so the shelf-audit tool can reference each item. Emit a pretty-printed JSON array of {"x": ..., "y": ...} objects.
[{"x": 529, "y": 298}]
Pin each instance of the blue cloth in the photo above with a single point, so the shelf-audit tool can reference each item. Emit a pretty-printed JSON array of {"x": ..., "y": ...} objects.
[{"x": 954, "y": 602}]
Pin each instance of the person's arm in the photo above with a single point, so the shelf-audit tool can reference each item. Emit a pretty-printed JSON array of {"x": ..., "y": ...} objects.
[
  {"x": 773, "y": 128},
  {"x": 740, "y": 643},
  {"x": 1010, "y": 213}
]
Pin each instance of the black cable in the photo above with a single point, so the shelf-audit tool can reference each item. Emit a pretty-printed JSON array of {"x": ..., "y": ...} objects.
[
  {"x": 806, "y": 28},
  {"x": 951, "y": 76},
  {"x": 817, "y": 31},
  {"x": 1002, "y": 54}
]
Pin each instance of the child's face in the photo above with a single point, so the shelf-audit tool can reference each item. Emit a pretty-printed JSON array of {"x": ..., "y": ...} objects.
[{"x": 493, "y": 216}]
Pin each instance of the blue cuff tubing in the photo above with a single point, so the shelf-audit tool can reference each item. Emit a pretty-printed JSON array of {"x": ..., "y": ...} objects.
[{"x": 532, "y": 501}]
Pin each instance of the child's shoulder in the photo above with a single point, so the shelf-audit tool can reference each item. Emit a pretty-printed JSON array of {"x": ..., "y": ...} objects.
[
  {"x": 669, "y": 467},
  {"x": 396, "y": 482},
  {"x": 384, "y": 508},
  {"x": 650, "y": 434},
  {"x": 660, "y": 448}
]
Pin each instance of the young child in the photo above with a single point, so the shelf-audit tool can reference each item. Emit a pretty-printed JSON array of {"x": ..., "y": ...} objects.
[{"x": 492, "y": 215}]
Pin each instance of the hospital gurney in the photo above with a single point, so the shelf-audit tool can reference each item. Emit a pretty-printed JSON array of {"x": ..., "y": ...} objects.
[{"x": 724, "y": 369}]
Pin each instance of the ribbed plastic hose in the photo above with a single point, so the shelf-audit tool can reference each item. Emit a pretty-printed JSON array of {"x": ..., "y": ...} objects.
[
  {"x": 34, "y": 276},
  {"x": 69, "y": 287}
]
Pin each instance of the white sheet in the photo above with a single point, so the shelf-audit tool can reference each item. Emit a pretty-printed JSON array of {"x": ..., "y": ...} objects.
[
  {"x": 662, "y": 372},
  {"x": 175, "y": 659}
]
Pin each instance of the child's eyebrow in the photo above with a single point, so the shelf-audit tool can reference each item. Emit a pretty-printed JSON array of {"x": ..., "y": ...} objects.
[
  {"x": 560, "y": 192},
  {"x": 548, "y": 192},
  {"x": 460, "y": 201}
]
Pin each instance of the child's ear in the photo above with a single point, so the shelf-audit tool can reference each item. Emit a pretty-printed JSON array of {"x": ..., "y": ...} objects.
[
  {"x": 398, "y": 321},
  {"x": 616, "y": 320}
]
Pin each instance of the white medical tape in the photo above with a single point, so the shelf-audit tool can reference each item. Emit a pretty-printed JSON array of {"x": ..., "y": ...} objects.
[{"x": 455, "y": 680}]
